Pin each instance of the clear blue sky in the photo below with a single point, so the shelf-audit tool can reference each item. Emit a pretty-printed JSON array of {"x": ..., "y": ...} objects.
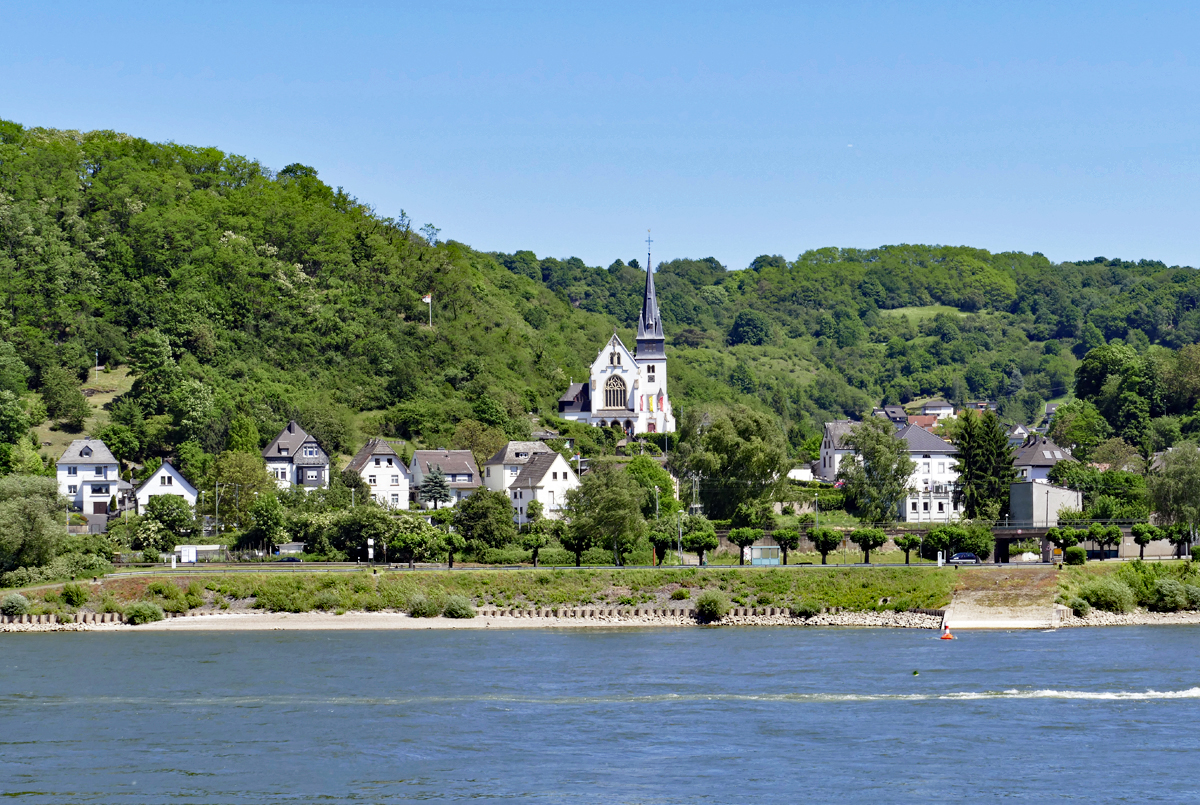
[{"x": 731, "y": 131}]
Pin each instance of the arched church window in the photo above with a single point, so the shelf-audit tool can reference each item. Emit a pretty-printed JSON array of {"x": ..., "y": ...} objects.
[{"x": 614, "y": 393}]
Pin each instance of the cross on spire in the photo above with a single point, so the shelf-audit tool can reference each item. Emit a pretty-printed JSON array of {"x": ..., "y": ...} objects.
[{"x": 648, "y": 242}]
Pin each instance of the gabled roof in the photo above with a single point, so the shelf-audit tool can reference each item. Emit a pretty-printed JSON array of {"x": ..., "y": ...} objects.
[
  {"x": 373, "y": 447},
  {"x": 535, "y": 470},
  {"x": 923, "y": 420},
  {"x": 292, "y": 438},
  {"x": 87, "y": 451},
  {"x": 1039, "y": 451},
  {"x": 451, "y": 462},
  {"x": 937, "y": 404},
  {"x": 172, "y": 469},
  {"x": 517, "y": 453},
  {"x": 922, "y": 441},
  {"x": 837, "y": 431}
]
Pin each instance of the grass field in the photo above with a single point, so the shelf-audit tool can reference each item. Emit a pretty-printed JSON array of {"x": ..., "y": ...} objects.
[
  {"x": 918, "y": 314},
  {"x": 100, "y": 392}
]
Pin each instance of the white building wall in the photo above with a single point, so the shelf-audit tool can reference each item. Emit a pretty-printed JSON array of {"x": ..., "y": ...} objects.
[
  {"x": 86, "y": 484},
  {"x": 933, "y": 482},
  {"x": 154, "y": 485},
  {"x": 389, "y": 482}
]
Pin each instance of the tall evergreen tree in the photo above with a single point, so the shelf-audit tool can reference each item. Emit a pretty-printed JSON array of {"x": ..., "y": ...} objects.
[
  {"x": 436, "y": 488},
  {"x": 984, "y": 466}
]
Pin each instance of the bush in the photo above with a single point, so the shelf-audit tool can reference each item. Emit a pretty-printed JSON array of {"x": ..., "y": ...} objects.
[
  {"x": 806, "y": 609},
  {"x": 75, "y": 595},
  {"x": 62, "y": 567},
  {"x": 421, "y": 607},
  {"x": 327, "y": 600},
  {"x": 151, "y": 556},
  {"x": 1075, "y": 555},
  {"x": 458, "y": 606},
  {"x": 143, "y": 612},
  {"x": 711, "y": 606},
  {"x": 14, "y": 604},
  {"x": 1196, "y": 553},
  {"x": 1142, "y": 578},
  {"x": 681, "y": 594},
  {"x": 1108, "y": 594},
  {"x": 1170, "y": 595},
  {"x": 1080, "y": 607}
]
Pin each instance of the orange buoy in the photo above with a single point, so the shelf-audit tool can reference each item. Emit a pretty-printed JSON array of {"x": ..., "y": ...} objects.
[{"x": 946, "y": 632}]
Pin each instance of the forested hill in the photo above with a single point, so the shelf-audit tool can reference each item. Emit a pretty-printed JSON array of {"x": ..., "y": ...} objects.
[{"x": 240, "y": 297}]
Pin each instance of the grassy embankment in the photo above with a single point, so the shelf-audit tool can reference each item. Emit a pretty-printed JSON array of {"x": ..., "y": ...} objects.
[{"x": 850, "y": 588}]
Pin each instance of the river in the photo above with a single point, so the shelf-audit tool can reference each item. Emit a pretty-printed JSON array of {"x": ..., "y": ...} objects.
[{"x": 718, "y": 715}]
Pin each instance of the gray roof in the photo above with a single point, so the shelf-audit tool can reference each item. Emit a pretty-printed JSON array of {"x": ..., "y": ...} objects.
[
  {"x": 373, "y": 447},
  {"x": 838, "y": 430},
  {"x": 451, "y": 462},
  {"x": 517, "y": 453},
  {"x": 535, "y": 470},
  {"x": 87, "y": 451},
  {"x": 937, "y": 404},
  {"x": 922, "y": 441},
  {"x": 1038, "y": 451},
  {"x": 292, "y": 438}
]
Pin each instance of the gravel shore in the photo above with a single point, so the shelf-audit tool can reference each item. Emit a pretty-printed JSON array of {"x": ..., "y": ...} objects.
[{"x": 258, "y": 621}]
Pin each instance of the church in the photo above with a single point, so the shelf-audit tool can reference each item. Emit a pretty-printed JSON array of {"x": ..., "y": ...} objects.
[{"x": 627, "y": 390}]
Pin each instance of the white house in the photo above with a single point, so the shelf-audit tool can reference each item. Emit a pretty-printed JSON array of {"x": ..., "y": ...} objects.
[
  {"x": 834, "y": 448},
  {"x": 294, "y": 457},
  {"x": 528, "y": 471},
  {"x": 938, "y": 408},
  {"x": 87, "y": 475},
  {"x": 625, "y": 390},
  {"x": 933, "y": 481},
  {"x": 166, "y": 480},
  {"x": 462, "y": 476},
  {"x": 384, "y": 472},
  {"x": 1036, "y": 457}
]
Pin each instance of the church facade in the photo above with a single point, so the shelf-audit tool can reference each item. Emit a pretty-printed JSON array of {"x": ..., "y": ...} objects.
[{"x": 627, "y": 390}]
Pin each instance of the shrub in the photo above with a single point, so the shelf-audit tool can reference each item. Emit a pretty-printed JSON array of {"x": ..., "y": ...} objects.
[
  {"x": 1108, "y": 594},
  {"x": 681, "y": 594},
  {"x": 1170, "y": 595},
  {"x": 711, "y": 606},
  {"x": 806, "y": 609},
  {"x": 458, "y": 606},
  {"x": 151, "y": 556},
  {"x": 1080, "y": 607},
  {"x": 143, "y": 612},
  {"x": 1196, "y": 553},
  {"x": 421, "y": 607},
  {"x": 1075, "y": 555},
  {"x": 14, "y": 604},
  {"x": 326, "y": 600},
  {"x": 75, "y": 595},
  {"x": 1142, "y": 578}
]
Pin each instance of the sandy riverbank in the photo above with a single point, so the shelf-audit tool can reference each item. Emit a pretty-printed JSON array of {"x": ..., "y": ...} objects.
[{"x": 318, "y": 621}]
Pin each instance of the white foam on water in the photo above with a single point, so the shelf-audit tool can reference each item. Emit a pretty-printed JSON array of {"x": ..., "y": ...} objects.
[{"x": 665, "y": 698}]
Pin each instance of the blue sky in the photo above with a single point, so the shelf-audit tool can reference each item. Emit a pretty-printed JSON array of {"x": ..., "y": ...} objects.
[{"x": 730, "y": 130}]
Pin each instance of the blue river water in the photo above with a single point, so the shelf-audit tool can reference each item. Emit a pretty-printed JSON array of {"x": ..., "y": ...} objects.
[{"x": 714, "y": 715}]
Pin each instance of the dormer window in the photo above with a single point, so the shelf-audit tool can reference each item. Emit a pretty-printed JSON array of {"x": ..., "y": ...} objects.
[
  {"x": 377, "y": 462},
  {"x": 86, "y": 452},
  {"x": 389, "y": 461},
  {"x": 283, "y": 451}
]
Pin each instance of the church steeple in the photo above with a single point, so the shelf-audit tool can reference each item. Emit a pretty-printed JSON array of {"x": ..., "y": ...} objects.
[{"x": 650, "y": 342}]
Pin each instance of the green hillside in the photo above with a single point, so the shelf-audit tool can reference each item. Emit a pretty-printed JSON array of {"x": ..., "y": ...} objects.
[{"x": 237, "y": 297}]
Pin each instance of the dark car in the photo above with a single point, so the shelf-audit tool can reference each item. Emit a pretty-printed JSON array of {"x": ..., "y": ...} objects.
[
  {"x": 964, "y": 559},
  {"x": 289, "y": 559}
]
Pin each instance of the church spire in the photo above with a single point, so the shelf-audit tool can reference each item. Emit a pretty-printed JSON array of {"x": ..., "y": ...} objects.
[{"x": 650, "y": 332}]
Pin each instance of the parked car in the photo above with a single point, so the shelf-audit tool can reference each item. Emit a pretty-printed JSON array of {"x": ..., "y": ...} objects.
[{"x": 964, "y": 559}]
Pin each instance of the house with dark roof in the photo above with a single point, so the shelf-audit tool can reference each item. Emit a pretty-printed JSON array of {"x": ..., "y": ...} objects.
[
  {"x": 382, "y": 469},
  {"x": 1035, "y": 458},
  {"x": 295, "y": 458},
  {"x": 462, "y": 476},
  {"x": 893, "y": 413},
  {"x": 166, "y": 480},
  {"x": 528, "y": 471},
  {"x": 834, "y": 448},
  {"x": 88, "y": 474},
  {"x": 938, "y": 408},
  {"x": 931, "y": 488}
]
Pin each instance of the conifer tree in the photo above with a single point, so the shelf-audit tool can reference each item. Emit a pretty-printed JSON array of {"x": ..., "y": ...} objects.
[
  {"x": 984, "y": 466},
  {"x": 436, "y": 488}
]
